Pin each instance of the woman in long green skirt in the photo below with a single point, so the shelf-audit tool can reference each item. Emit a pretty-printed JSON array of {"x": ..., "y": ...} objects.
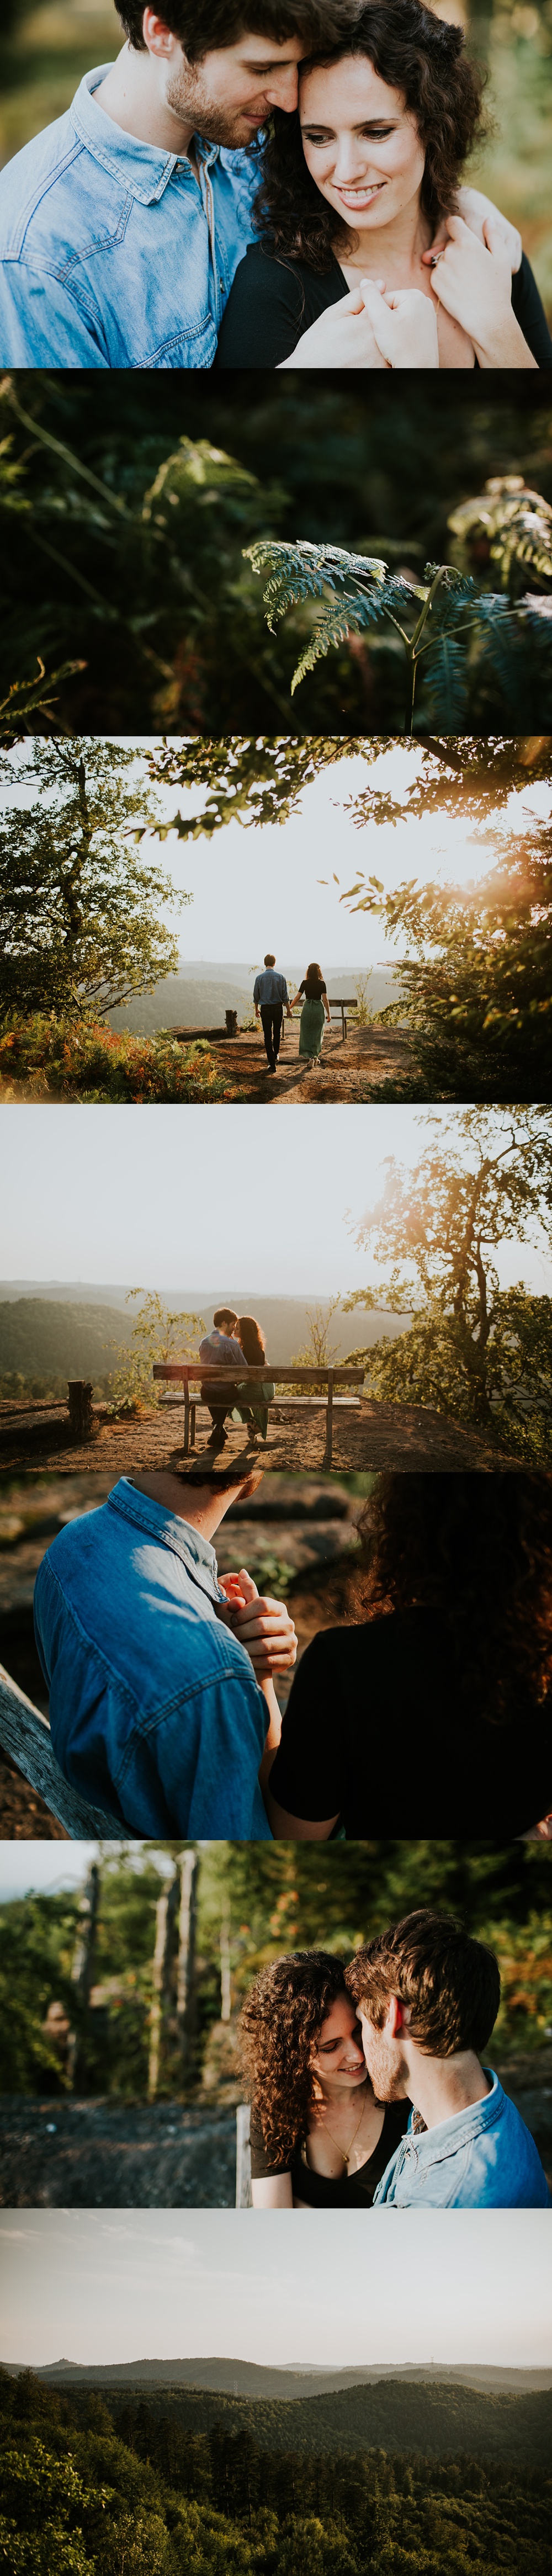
[{"x": 316, "y": 1009}]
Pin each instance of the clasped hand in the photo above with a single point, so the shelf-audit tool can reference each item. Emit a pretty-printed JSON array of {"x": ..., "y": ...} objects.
[
  {"x": 472, "y": 278},
  {"x": 263, "y": 1626}
]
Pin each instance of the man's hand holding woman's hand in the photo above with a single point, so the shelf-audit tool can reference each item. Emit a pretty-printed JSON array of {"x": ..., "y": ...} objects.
[
  {"x": 263, "y": 1626},
  {"x": 472, "y": 278}
]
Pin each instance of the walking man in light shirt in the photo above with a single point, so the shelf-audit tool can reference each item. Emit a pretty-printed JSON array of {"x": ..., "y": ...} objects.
[{"x": 270, "y": 995}]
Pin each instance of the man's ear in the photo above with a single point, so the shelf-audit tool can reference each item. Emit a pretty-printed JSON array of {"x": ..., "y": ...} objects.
[{"x": 398, "y": 2016}]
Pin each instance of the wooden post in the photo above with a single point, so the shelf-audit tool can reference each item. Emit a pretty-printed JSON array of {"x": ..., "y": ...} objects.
[
  {"x": 243, "y": 2157},
  {"x": 187, "y": 1918},
  {"x": 164, "y": 1919},
  {"x": 343, "y": 1024},
  {"x": 329, "y": 1419},
  {"x": 231, "y": 1018},
  {"x": 79, "y": 1396},
  {"x": 225, "y": 1993},
  {"x": 81, "y": 1972}
]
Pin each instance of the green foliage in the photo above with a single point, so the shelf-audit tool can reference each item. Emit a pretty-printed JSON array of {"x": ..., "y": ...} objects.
[
  {"x": 125, "y": 527},
  {"x": 158, "y": 2480},
  {"x": 272, "y": 1897},
  {"x": 29, "y": 699},
  {"x": 458, "y": 627},
  {"x": 156, "y": 1336},
  {"x": 62, "y": 1058},
  {"x": 475, "y": 1351},
  {"x": 78, "y": 926}
]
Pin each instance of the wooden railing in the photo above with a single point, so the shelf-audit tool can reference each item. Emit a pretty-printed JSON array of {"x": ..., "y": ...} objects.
[{"x": 221, "y": 1381}]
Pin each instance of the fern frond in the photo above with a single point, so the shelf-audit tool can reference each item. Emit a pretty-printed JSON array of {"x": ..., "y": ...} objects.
[
  {"x": 349, "y": 617},
  {"x": 194, "y": 468},
  {"x": 446, "y": 679}
]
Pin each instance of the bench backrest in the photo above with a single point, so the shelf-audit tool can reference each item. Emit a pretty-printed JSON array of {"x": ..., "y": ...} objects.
[
  {"x": 25, "y": 1735},
  {"x": 278, "y": 1370}
]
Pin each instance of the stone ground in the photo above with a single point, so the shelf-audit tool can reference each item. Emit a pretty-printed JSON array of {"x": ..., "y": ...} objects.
[
  {"x": 365, "y": 1436},
  {"x": 344, "y": 1072},
  {"x": 57, "y": 2152}
]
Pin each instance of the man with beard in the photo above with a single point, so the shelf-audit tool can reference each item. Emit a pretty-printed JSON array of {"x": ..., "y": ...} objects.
[
  {"x": 122, "y": 225},
  {"x": 427, "y": 1997},
  {"x": 161, "y": 1678}
]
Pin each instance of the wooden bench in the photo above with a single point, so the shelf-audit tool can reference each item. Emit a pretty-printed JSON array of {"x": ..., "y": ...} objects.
[
  {"x": 219, "y": 1379},
  {"x": 349, "y": 1003},
  {"x": 25, "y": 1735}
]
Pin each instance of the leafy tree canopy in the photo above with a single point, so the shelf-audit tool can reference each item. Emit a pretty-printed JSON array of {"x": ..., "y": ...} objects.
[
  {"x": 474, "y": 1350},
  {"x": 79, "y": 925}
]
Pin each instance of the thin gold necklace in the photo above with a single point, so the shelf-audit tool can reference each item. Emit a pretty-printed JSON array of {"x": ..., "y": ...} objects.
[{"x": 335, "y": 2141}]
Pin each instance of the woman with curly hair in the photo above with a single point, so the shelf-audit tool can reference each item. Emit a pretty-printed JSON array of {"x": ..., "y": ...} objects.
[
  {"x": 319, "y": 2138},
  {"x": 364, "y": 258},
  {"x": 433, "y": 1713}
]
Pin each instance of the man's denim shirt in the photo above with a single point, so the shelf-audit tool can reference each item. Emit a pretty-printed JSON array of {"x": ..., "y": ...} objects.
[
  {"x": 482, "y": 2158},
  {"x": 111, "y": 254},
  {"x": 270, "y": 987},
  {"x": 154, "y": 1708}
]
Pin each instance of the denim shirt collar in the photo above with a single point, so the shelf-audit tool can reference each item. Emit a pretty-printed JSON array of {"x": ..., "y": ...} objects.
[
  {"x": 446, "y": 2136},
  {"x": 179, "y": 1535},
  {"x": 140, "y": 167}
]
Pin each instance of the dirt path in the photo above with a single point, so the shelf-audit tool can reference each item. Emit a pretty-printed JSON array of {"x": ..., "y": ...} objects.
[
  {"x": 365, "y": 1436},
  {"x": 344, "y": 1072}
]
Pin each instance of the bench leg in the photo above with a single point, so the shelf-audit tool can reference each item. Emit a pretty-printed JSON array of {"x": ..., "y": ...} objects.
[
  {"x": 329, "y": 1420},
  {"x": 186, "y": 1419},
  {"x": 192, "y": 1425}
]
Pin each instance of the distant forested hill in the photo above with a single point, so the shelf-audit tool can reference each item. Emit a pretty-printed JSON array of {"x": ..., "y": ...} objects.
[
  {"x": 401, "y": 2415},
  {"x": 54, "y": 1341},
  {"x": 199, "y": 995},
  {"x": 40, "y": 1333}
]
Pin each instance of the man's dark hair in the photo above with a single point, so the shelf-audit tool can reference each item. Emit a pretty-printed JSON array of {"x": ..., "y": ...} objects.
[
  {"x": 423, "y": 57},
  {"x": 270, "y": 961},
  {"x": 450, "y": 1982},
  {"x": 207, "y": 26},
  {"x": 224, "y": 1315},
  {"x": 219, "y": 1479}
]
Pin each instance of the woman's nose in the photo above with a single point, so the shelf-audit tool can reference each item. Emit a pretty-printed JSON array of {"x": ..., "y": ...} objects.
[{"x": 348, "y": 157}]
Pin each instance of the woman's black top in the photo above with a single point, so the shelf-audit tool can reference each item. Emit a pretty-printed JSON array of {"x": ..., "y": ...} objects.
[
  {"x": 312, "y": 987},
  {"x": 273, "y": 300},
  {"x": 376, "y": 1733},
  {"x": 349, "y": 2191}
]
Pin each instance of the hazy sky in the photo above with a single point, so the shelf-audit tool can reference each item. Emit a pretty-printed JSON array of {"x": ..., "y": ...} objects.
[
  {"x": 446, "y": 2285},
  {"x": 28, "y": 1867},
  {"x": 258, "y": 889},
  {"x": 157, "y": 1196}
]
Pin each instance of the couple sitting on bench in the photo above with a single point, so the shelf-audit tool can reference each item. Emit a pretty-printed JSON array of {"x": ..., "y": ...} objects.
[
  {"x": 236, "y": 1338},
  {"x": 428, "y": 1713}
]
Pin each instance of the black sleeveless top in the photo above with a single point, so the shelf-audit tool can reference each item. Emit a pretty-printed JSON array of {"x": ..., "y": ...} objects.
[{"x": 349, "y": 2191}]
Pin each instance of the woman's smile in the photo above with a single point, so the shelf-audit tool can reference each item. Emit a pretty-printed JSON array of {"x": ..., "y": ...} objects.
[{"x": 361, "y": 196}]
